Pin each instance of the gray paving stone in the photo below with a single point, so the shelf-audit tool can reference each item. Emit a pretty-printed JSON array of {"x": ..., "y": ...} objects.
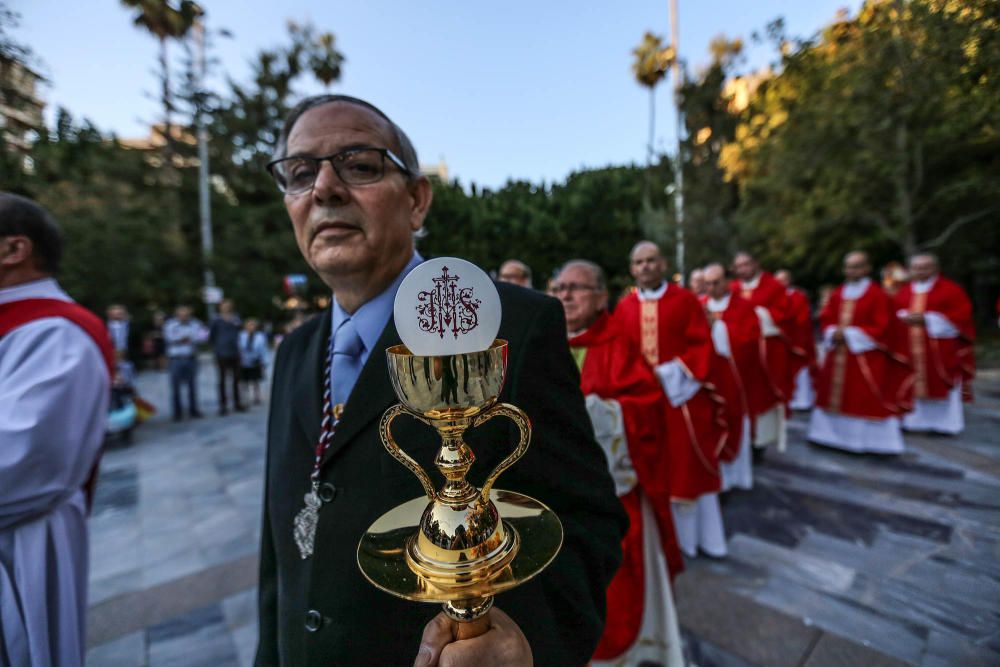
[{"x": 126, "y": 651}]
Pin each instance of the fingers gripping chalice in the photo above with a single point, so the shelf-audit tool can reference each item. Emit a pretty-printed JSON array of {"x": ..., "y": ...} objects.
[{"x": 458, "y": 545}]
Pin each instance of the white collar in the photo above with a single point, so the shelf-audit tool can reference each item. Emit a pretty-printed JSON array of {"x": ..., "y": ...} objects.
[
  {"x": 751, "y": 284},
  {"x": 854, "y": 289},
  {"x": 719, "y": 305},
  {"x": 921, "y": 286},
  {"x": 46, "y": 288},
  {"x": 653, "y": 294}
]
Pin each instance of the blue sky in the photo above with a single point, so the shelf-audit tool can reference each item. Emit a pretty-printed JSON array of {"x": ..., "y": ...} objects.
[{"x": 525, "y": 90}]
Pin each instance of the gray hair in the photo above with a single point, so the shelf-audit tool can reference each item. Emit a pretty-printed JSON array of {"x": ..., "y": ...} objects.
[
  {"x": 407, "y": 153},
  {"x": 929, "y": 255},
  {"x": 596, "y": 271}
]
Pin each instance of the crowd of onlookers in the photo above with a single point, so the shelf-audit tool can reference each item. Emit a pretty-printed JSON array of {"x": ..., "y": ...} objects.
[{"x": 241, "y": 349}]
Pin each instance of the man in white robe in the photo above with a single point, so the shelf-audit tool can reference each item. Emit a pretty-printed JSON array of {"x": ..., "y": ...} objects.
[{"x": 54, "y": 393}]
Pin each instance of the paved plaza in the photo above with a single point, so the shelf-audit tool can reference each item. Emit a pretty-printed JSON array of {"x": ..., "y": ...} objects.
[{"x": 835, "y": 559}]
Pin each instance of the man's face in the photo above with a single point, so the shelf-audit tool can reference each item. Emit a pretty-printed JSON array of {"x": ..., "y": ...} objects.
[
  {"x": 922, "y": 268},
  {"x": 513, "y": 272},
  {"x": 361, "y": 233},
  {"x": 783, "y": 277},
  {"x": 856, "y": 266},
  {"x": 648, "y": 267},
  {"x": 583, "y": 302},
  {"x": 745, "y": 267},
  {"x": 183, "y": 313},
  {"x": 698, "y": 282},
  {"x": 715, "y": 283}
]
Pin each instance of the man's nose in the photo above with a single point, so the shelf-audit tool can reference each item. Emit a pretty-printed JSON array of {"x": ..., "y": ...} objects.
[{"x": 329, "y": 186}]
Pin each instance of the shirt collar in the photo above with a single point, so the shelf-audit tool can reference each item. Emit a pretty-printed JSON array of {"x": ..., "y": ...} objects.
[
  {"x": 921, "y": 286},
  {"x": 653, "y": 294},
  {"x": 855, "y": 288},
  {"x": 370, "y": 319},
  {"x": 46, "y": 288},
  {"x": 752, "y": 283},
  {"x": 719, "y": 305}
]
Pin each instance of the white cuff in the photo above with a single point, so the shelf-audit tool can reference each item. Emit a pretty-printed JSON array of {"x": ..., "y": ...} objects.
[
  {"x": 858, "y": 341},
  {"x": 677, "y": 384},
  {"x": 939, "y": 326},
  {"x": 767, "y": 326}
]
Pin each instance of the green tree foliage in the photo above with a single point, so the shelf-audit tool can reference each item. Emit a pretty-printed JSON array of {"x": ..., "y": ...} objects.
[{"x": 881, "y": 133}]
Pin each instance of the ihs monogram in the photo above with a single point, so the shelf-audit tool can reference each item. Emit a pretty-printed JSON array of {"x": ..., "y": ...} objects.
[{"x": 447, "y": 307}]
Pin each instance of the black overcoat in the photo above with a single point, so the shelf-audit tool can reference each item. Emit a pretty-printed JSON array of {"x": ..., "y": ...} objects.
[{"x": 322, "y": 611}]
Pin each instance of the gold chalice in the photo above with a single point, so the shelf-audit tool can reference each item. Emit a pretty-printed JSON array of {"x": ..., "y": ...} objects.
[{"x": 459, "y": 545}]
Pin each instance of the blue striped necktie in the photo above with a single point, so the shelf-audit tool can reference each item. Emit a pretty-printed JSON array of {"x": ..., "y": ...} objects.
[{"x": 346, "y": 366}]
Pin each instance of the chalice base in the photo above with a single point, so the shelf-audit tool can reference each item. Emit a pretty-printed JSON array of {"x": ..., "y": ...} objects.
[{"x": 382, "y": 553}]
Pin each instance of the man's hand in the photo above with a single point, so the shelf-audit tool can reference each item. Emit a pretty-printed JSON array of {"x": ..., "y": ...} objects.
[
  {"x": 838, "y": 336},
  {"x": 503, "y": 645},
  {"x": 914, "y": 318}
]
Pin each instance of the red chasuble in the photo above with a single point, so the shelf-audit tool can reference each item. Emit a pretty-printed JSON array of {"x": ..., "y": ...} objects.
[
  {"x": 939, "y": 363},
  {"x": 775, "y": 349},
  {"x": 739, "y": 374},
  {"x": 800, "y": 334},
  {"x": 675, "y": 327},
  {"x": 866, "y": 384},
  {"x": 613, "y": 369}
]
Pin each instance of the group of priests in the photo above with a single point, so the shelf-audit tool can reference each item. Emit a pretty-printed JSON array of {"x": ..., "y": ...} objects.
[{"x": 686, "y": 388}]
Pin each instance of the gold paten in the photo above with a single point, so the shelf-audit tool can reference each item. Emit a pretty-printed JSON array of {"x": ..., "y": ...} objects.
[{"x": 460, "y": 545}]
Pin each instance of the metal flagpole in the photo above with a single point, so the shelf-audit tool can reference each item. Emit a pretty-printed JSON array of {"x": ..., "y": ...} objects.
[
  {"x": 204, "y": 203},
  {"x": 679, "y": 163}
]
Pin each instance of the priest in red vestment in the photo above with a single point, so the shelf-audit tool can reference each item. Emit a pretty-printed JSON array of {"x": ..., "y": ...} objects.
[
  {"x": 669, "y": 326},
  {"x": 857, "y": 408},
  {"x": 736, "y": 338},
  {"x": 803, "y": 344},
  {"x": 627, "y": 408},
  {"x": 938, "y": 315},
  {"x": 769, "y": 299}
]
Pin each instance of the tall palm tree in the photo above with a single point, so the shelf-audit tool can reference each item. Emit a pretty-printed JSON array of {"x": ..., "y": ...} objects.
[
  {"x": 652, "y": 60},
  {"x": 165, "y": 20}
]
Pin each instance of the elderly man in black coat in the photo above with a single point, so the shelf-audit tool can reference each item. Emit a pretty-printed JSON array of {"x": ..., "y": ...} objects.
[{"x": 352, "y": 188}]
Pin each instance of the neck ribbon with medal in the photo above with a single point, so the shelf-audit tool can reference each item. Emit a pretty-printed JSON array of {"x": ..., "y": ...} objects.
[{"x": 304, "y": 527}]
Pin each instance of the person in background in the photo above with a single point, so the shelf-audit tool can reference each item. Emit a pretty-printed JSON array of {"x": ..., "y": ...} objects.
[
  {"x": 119, "y": 327},
  {"x": 56, "y": 363},
  {"x": 516, "y": 272},
  {"x": 697, "y": 284},
  {"x": 803, "y": 343},
  {"x": 223, "y": 334},
  {"x": 253, "y": 358},
  {"x": 937, "y": 314},
  {"x": 183, "y": 334}
]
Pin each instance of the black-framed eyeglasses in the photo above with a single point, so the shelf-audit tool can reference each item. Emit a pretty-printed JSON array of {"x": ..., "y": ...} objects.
[
  {"x": 568, "y": 288},
  {"x": 297, "y": 174}
]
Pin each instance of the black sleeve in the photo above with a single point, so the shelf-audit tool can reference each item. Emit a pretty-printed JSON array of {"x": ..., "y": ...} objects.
[
  {"x": 562, "y": 611},
  {"x": 267, "y": 591}
]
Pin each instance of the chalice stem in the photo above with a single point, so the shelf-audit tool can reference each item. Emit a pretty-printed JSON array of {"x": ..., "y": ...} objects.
[{"x": 473, "y": 616}]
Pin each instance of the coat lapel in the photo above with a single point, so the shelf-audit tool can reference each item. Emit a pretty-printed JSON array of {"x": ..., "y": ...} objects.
[
  {"x": 371, "y": 396},
  {"x": 308, "y": 392}
]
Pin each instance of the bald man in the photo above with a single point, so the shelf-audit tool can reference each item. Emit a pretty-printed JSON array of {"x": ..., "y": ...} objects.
[
  {"x": 737, "y": 372},
  {"x": 857, "y": 407},
  {"x": 770, "y": 301},
  {"x": 938, "y": 315},
  {"x": 669, "y": 326},
  {"x": 516, "y": 272}
]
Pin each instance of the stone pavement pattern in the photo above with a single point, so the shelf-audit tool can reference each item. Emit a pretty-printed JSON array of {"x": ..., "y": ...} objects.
[{"x": 835, "y": 559}]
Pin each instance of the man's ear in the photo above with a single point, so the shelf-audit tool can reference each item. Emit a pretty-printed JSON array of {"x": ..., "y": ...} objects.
[
  {"x": 16, "y": 251},
  {"x": 422, "y": 195}
]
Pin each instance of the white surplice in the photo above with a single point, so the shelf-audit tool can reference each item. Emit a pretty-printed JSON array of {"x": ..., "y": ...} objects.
[{"x": 54, "y": 393}]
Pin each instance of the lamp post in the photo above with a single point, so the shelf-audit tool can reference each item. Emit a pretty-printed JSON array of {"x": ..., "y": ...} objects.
[
  {"x": 204, "y": 194},
  {"x": 679, "y": 164}
]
